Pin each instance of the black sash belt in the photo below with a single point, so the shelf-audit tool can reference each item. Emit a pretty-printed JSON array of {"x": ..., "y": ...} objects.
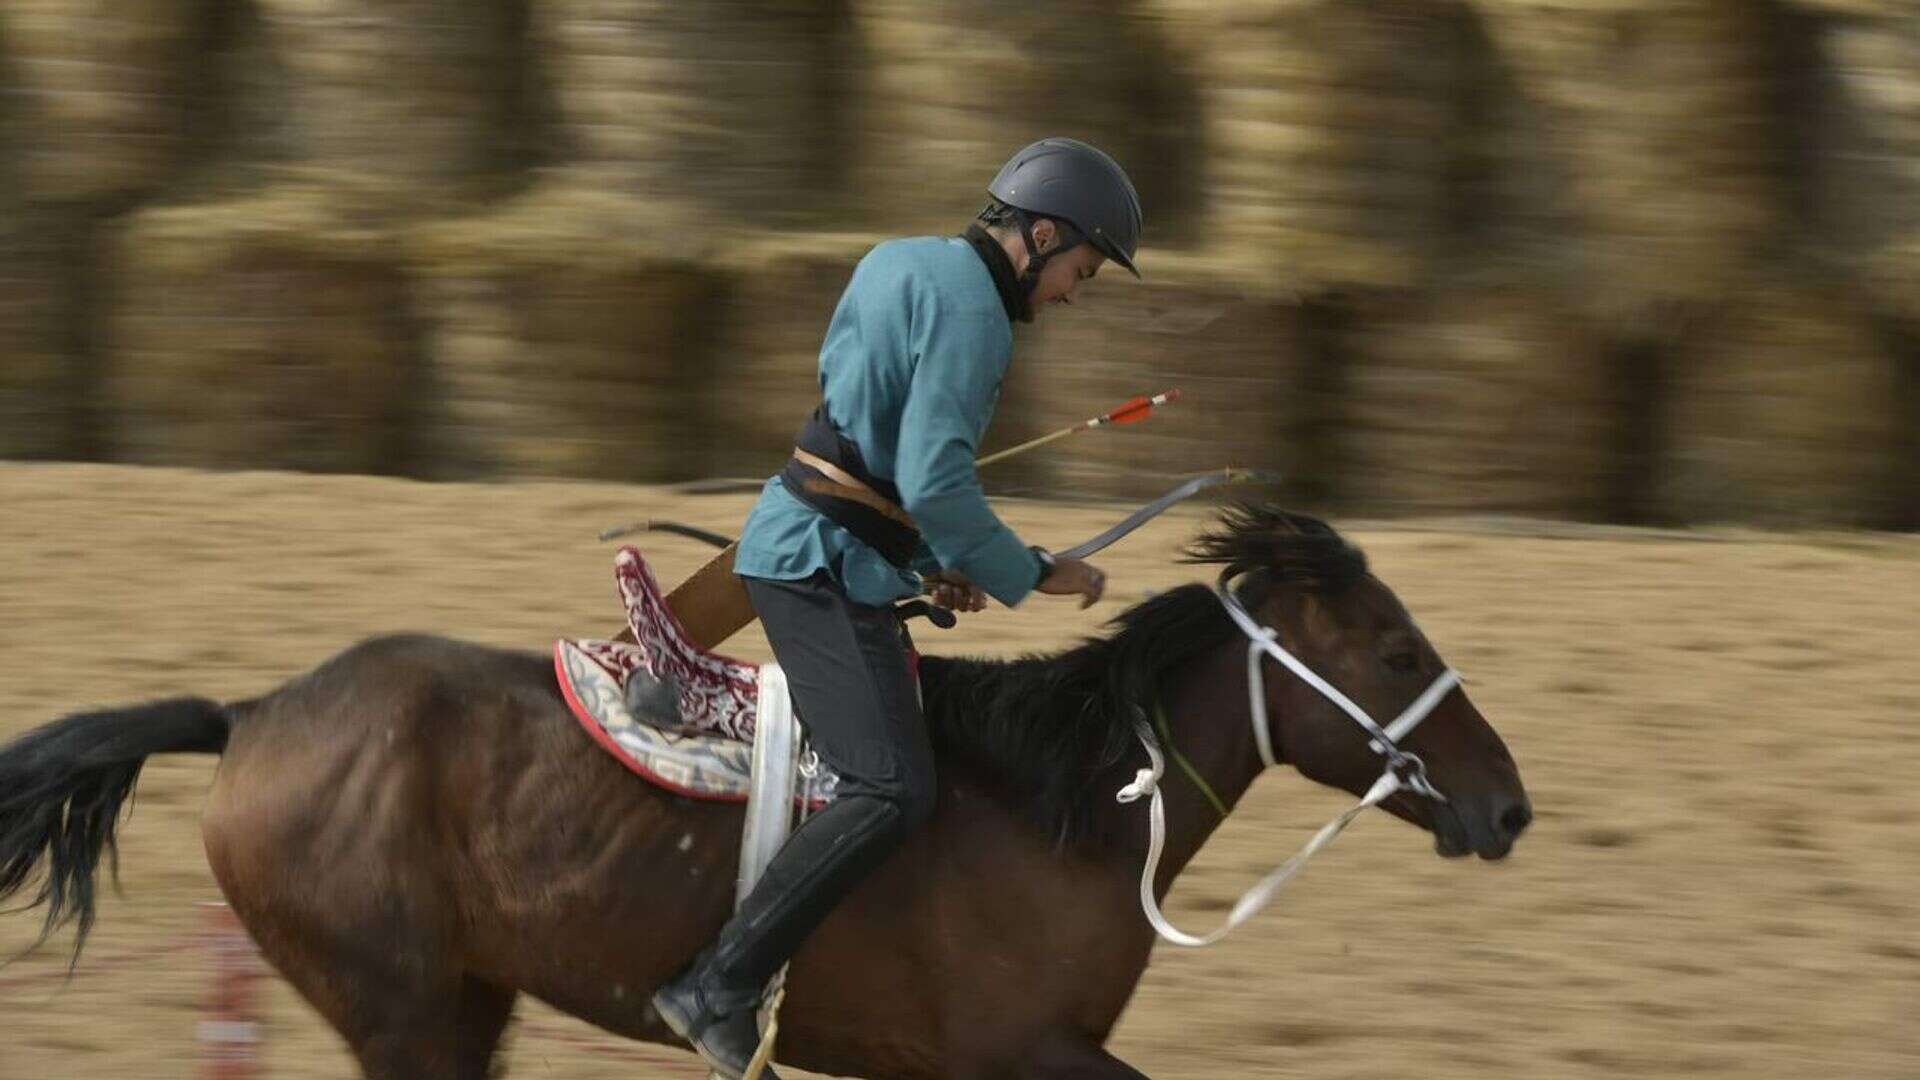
[{"x": 894, "y": 540}]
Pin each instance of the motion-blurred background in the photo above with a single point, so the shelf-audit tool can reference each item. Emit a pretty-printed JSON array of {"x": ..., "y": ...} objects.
[
  {"x": 1636, "y": 262},
  {"x": 1619, "y": 260}
]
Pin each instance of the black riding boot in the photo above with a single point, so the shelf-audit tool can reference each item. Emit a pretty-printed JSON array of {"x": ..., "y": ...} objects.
[{"x": 712, "y": 1003}]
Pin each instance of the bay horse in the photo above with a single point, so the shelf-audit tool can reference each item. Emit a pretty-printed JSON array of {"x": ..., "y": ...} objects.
[{"x": 418, "y": 831}]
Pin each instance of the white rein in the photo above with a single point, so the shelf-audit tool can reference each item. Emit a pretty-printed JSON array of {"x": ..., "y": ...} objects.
[{"x": 1403, "y": 770}]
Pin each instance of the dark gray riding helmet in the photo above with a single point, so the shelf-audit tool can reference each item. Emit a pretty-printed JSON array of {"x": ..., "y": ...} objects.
[{"x": 1067, "y": 180}]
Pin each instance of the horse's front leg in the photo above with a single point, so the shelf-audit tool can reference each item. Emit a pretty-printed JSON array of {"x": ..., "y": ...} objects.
[{"x": 1075, "y": 1056}]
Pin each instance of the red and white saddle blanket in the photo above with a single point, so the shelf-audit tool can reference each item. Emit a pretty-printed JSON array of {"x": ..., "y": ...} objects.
[{"x": 719, "y": 700}]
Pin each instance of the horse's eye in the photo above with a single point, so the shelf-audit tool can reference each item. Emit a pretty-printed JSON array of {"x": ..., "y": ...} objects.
[{"x": 1402, "y": 661}]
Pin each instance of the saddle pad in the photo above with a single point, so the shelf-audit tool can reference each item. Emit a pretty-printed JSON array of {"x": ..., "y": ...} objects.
[
  {"x": 716, "y": 693},
  {"x": 700, "y": 766}
]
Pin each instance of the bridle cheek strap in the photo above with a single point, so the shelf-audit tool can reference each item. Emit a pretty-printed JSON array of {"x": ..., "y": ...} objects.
[
  {"x": 1404, "y": 771},
  {"x": 1069, "y": 238},
  {"x": 1385, "y": 741}
]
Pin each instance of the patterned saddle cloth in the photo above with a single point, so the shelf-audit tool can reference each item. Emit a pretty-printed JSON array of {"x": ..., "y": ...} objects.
[{"x": 674, "y": 713}]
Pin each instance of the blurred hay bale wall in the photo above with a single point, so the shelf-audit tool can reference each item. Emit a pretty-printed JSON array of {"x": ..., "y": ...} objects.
[
  {"x": 1873, "y": 201},
  {"x": 43, "y": 387},
  {"x": 956, "y": 86},
  {"x": 100, "y": 92},
  {"x": 1662, "y": 111},
  {"x": 1473, "y": 400},
  {"x": 732, "y": 107},
  {"x": 785, "y": 293},
  {"x": 1786, "y": 415},
  {"x": 262, "y": 333},
  {"x": 1235, "y": 359},
  {"x": 569, "y": 340},
  {"x": 1617, "y": 258},
  {"x": 1335, "y": 128},
  {"x": 404, "y": 103}
]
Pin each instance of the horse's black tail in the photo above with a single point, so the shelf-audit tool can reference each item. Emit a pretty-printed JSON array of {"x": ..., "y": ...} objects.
[{"x": 61, "y": 789}]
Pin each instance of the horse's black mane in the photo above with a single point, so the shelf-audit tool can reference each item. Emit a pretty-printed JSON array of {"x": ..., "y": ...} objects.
[{"x": 1043, "y": 729}]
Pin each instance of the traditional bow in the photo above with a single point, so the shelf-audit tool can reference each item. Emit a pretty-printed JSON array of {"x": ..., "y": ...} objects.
[
  {"x": 1131, "y": 411},
  {"x": 1161, "y": 505}
]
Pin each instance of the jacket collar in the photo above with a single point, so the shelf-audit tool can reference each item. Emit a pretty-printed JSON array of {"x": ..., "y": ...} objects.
[{"x": 1000, "y": 268}]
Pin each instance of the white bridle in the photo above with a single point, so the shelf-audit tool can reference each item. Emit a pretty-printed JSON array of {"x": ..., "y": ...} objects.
[{"x": 1403, "y": 770}]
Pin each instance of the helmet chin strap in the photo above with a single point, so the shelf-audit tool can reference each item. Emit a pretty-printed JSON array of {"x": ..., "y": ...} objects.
[{"x": 1029, "y": 278}]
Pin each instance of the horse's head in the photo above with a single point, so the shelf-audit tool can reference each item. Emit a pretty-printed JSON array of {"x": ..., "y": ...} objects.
[{"x": 1298, "y": 576}]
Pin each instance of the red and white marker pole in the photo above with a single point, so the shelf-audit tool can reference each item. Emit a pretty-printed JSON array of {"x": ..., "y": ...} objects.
[{"x": 229, "y": 1033}]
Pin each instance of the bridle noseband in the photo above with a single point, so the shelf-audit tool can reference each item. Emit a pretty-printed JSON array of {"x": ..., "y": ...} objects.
[{"x": 1403, "y": 770}]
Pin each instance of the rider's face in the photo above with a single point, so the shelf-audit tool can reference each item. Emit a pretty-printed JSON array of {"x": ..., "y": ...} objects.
[{"x": 1063, "y": 275}]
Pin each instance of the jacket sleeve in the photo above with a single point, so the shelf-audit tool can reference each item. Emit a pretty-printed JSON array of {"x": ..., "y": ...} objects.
[
  {"x": 960, "y": 358},
  {"x": 924, "y": 560}
]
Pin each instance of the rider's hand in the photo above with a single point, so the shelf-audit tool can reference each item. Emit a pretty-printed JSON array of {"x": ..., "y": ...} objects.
[
  {"x": 950, "y": 589},
  {"x": 1072, "y": 577}
]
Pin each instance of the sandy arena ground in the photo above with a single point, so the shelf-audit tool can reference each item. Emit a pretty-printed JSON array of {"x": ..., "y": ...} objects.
[{"x": 1721, "y": 733}]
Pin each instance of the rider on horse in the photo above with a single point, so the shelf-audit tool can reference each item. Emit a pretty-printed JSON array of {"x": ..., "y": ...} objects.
[{"x": 880, "y": 497}]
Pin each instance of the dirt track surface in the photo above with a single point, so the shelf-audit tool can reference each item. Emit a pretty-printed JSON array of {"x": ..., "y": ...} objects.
[{"x": 1720, "y": 734}]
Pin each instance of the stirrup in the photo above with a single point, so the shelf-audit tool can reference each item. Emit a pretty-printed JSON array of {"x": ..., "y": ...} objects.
[{"x": 763, "y": 1057}]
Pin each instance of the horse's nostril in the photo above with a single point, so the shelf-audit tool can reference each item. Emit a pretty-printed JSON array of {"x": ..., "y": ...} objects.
[{"x": 1517, "y": 817}]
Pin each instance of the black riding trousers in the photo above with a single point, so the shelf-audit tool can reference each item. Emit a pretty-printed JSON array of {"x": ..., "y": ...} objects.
[
  {"x": 854, "y": 690},
  {"x": 853, "y": 687}
]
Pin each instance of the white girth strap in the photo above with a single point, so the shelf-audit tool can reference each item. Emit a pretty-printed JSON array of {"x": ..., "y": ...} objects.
[
  {"x": 1403, "y": 770},
  {"x": 778, "y": 783},
  {"x": 776, "y": 761}
]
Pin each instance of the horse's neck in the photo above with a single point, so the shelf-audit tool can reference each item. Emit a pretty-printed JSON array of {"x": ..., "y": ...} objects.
[{"x": 1212, "y": 726}]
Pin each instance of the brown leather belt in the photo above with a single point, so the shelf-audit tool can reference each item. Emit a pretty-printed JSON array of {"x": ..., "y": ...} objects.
[{"x": 842, "y": 484}]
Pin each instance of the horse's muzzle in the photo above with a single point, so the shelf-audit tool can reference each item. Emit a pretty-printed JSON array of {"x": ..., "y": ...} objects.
[{"x": 1483, "y": 827}]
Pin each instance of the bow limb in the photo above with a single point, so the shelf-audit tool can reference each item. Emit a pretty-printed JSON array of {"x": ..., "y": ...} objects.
[
  {"x": 1160, "y": 506},
  {"x": 1186, "y": 490}
]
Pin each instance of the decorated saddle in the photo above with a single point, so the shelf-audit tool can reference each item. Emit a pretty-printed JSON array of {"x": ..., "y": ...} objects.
[{"x": 679, "y": 715}]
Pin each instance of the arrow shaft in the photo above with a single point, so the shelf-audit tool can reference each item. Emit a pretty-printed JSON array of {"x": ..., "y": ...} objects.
[
  {"x": 1028, "y": 445},
  {"x": 1132, "y": 410}
]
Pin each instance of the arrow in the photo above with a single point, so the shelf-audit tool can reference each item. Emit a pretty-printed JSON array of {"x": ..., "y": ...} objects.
[
  {"x": 1130, "y": 412},
  {"x": 1191, "y": 487}
]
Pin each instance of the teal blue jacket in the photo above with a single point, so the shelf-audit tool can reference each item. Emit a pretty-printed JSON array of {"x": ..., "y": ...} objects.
[{"x": 910, "y": 371}]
